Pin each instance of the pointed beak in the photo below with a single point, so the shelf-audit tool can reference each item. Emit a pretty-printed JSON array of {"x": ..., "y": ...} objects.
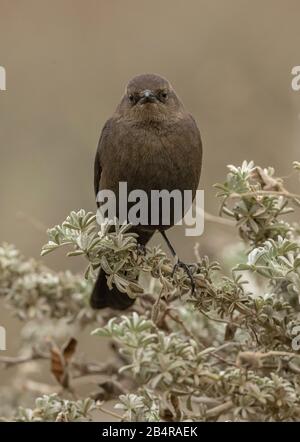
[{"x": 147, "y": 96}]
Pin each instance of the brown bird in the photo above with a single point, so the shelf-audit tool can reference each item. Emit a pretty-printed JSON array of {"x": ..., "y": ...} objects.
[{"x": 151, "y": 143}]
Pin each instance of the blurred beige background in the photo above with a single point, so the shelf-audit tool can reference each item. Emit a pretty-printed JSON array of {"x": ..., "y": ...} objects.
[{"x": 67, "y": 64}]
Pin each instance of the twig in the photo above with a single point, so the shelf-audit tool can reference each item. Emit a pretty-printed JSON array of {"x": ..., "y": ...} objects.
[
  {"x": 216, "y": 411},
  {"x": 224, "y": 321},
  {"x": 213, "y": 352},
  {"x": 10, "y": 361},
  {"x": 111, "y": 413},
  {"x": 264, "y": 193},
  {"x": 215, "y": 218},
  {"x": 230, "y": 363},
  {"x": 85, "y": 369},
  {"x": 279, "y": 353},
  {"x": 181, "y": 323},
  {"x": 294, "y": 368},
  {"x": 90, "y": 369},
  {"x": 254, "y": 359},
  {"x": 155, "y": 308}
]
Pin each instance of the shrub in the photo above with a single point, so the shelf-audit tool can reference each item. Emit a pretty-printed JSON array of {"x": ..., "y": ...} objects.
[{"x": 227, "y": 351}]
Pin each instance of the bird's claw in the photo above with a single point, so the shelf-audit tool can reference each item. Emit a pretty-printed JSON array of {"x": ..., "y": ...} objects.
[{"x": 187, "y": 268}]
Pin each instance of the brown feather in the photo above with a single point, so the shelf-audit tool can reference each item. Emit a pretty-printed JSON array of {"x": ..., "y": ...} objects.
[{"x": 151, "y": 146}]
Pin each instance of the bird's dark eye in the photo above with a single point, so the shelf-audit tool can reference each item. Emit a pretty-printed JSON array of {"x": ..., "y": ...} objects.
[
  {"x": 131, "y": 98},
  {"x": 164, "y": 94}
]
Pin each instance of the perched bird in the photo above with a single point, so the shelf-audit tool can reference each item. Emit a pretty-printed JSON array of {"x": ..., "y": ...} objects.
[{"x": 150, "y": 142}]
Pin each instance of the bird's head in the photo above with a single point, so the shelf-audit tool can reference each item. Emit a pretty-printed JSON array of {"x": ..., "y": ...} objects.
[{"x": 149, "y": 97}]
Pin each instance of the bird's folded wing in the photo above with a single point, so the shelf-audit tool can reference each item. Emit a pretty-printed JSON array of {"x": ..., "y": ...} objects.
[{"x": 97, "y": 165}]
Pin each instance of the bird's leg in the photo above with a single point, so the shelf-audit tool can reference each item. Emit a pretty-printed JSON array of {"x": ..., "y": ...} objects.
[{"x": 178, "y": 262}]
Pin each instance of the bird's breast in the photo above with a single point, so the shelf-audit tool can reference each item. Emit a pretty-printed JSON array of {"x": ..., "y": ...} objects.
[
  {"x": 153, "y": 158},
  {"x": 150, "y": 158}
]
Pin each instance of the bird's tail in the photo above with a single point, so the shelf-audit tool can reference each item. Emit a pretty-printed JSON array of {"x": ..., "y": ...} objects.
[{"x": 103, "y": 297}]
